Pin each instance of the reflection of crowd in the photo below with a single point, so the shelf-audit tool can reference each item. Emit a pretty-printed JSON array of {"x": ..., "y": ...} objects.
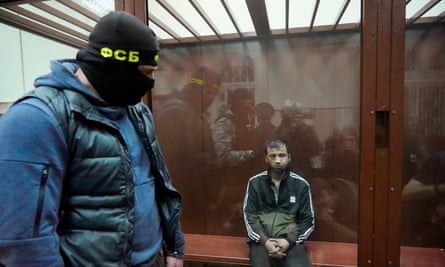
[
  {"x": 333, "y": 166},
  {"x": 211, "y": 159},
  {"x": 231, "y": 132},
  {"x": 336, "y": 209},
  {"x": 185, "y": 137},
  {"x": 304, "y": 144},
  {"x": 423, "y": 199},
  {"x": 340, "y": 155},
  {"x": 230, "y": 125},
  {"x": 335, "y": 188},
  {"x": 230, "y": 146}
]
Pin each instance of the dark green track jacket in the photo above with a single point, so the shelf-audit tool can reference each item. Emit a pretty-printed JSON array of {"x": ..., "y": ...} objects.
[{"x": 286, "y": 212}]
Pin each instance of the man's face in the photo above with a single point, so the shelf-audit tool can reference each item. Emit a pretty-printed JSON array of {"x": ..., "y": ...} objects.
[
  {"x": 296, "y": 120},
  {"x": 278, "y": 159}
]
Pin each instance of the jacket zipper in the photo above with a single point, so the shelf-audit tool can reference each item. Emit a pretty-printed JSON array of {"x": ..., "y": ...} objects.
[
  {"x": 43, "y": 180},
  {"x": 276, "y": 198},
  {"x": 126, "y": 153}
]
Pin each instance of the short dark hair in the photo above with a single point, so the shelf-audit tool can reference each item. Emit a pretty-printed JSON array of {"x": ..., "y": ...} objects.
[{"x": 276, "y": 143}]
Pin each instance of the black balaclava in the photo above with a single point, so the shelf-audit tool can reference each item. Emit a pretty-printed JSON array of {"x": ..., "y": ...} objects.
[{"x": 117, "y": 45}]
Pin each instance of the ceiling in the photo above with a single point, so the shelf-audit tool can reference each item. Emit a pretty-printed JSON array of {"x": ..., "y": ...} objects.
[{"x": 178, "y": 22}]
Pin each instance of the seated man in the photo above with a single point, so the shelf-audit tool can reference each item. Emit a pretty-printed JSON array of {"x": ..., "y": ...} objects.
[{"x": 278, "y": 212}]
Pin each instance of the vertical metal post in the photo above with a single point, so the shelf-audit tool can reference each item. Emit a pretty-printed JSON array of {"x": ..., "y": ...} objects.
[{"x": 382, "y": 84}]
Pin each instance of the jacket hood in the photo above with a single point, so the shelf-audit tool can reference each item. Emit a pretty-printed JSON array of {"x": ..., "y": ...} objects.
[{"x": 62, "y": 76}]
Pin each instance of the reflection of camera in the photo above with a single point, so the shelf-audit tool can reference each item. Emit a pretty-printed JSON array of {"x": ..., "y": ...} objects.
[
  {"x": 325, "y": 214},
  {"x": 317, "y": 162},
  {"x": 247, "y": 154}
]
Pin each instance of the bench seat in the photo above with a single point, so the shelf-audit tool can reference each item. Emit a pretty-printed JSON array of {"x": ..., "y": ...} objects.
[
  {"x": 220, "y": 249},
  {"x": 234, "y": 250}
]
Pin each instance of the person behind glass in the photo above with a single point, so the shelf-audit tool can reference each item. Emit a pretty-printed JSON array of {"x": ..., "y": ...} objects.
[
  {"x": 188, "y": 146},
  {"x": 305, "y": 145},
  {"x": 225, "y": 129},
  {"x": 264, "y": 130},
  {"x": 83, "y": 181},
  {"x": 235, "y": 158},
  {"x": 336, "y": 209},
  {"x": 423, "y": 194},
  {"x": 341, "y": 155},
  {"x": 264, "y": 112},
  {"x": 278, "y": 212}
]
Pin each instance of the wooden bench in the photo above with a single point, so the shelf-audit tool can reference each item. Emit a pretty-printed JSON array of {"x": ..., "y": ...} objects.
[{"x": 233, "y": 250}]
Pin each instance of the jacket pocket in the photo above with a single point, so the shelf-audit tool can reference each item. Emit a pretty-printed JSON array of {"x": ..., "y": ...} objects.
[{"x": 40, "y": 199}]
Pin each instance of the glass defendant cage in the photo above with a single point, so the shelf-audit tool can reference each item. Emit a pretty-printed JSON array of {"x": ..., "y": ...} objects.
[{"x": 356, "y": 87}]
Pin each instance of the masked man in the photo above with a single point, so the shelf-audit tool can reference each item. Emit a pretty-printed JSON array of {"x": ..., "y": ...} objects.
[{"x": 82, "y": 180}]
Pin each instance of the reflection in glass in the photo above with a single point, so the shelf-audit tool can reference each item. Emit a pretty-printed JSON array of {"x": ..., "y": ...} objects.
[
  {"x": 423, "y": 204},
  {"x": 302, "y": 88}
]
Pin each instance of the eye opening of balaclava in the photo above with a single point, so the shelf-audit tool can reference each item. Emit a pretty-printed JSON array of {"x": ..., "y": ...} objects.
[{"x": 118, "y": 44}]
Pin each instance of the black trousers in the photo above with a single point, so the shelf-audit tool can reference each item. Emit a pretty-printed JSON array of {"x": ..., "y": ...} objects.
[{"x": 296, "y": 257}]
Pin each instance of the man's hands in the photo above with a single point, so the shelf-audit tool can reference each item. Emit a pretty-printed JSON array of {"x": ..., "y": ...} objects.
[
  {"x": 276, "y": 247},
  {"x": 174, "y": 262}
]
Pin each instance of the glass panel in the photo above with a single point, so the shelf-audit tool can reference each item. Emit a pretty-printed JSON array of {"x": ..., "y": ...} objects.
[
  {"x": 423, "y": 205},
  {"x": 304, "y": 89}
]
